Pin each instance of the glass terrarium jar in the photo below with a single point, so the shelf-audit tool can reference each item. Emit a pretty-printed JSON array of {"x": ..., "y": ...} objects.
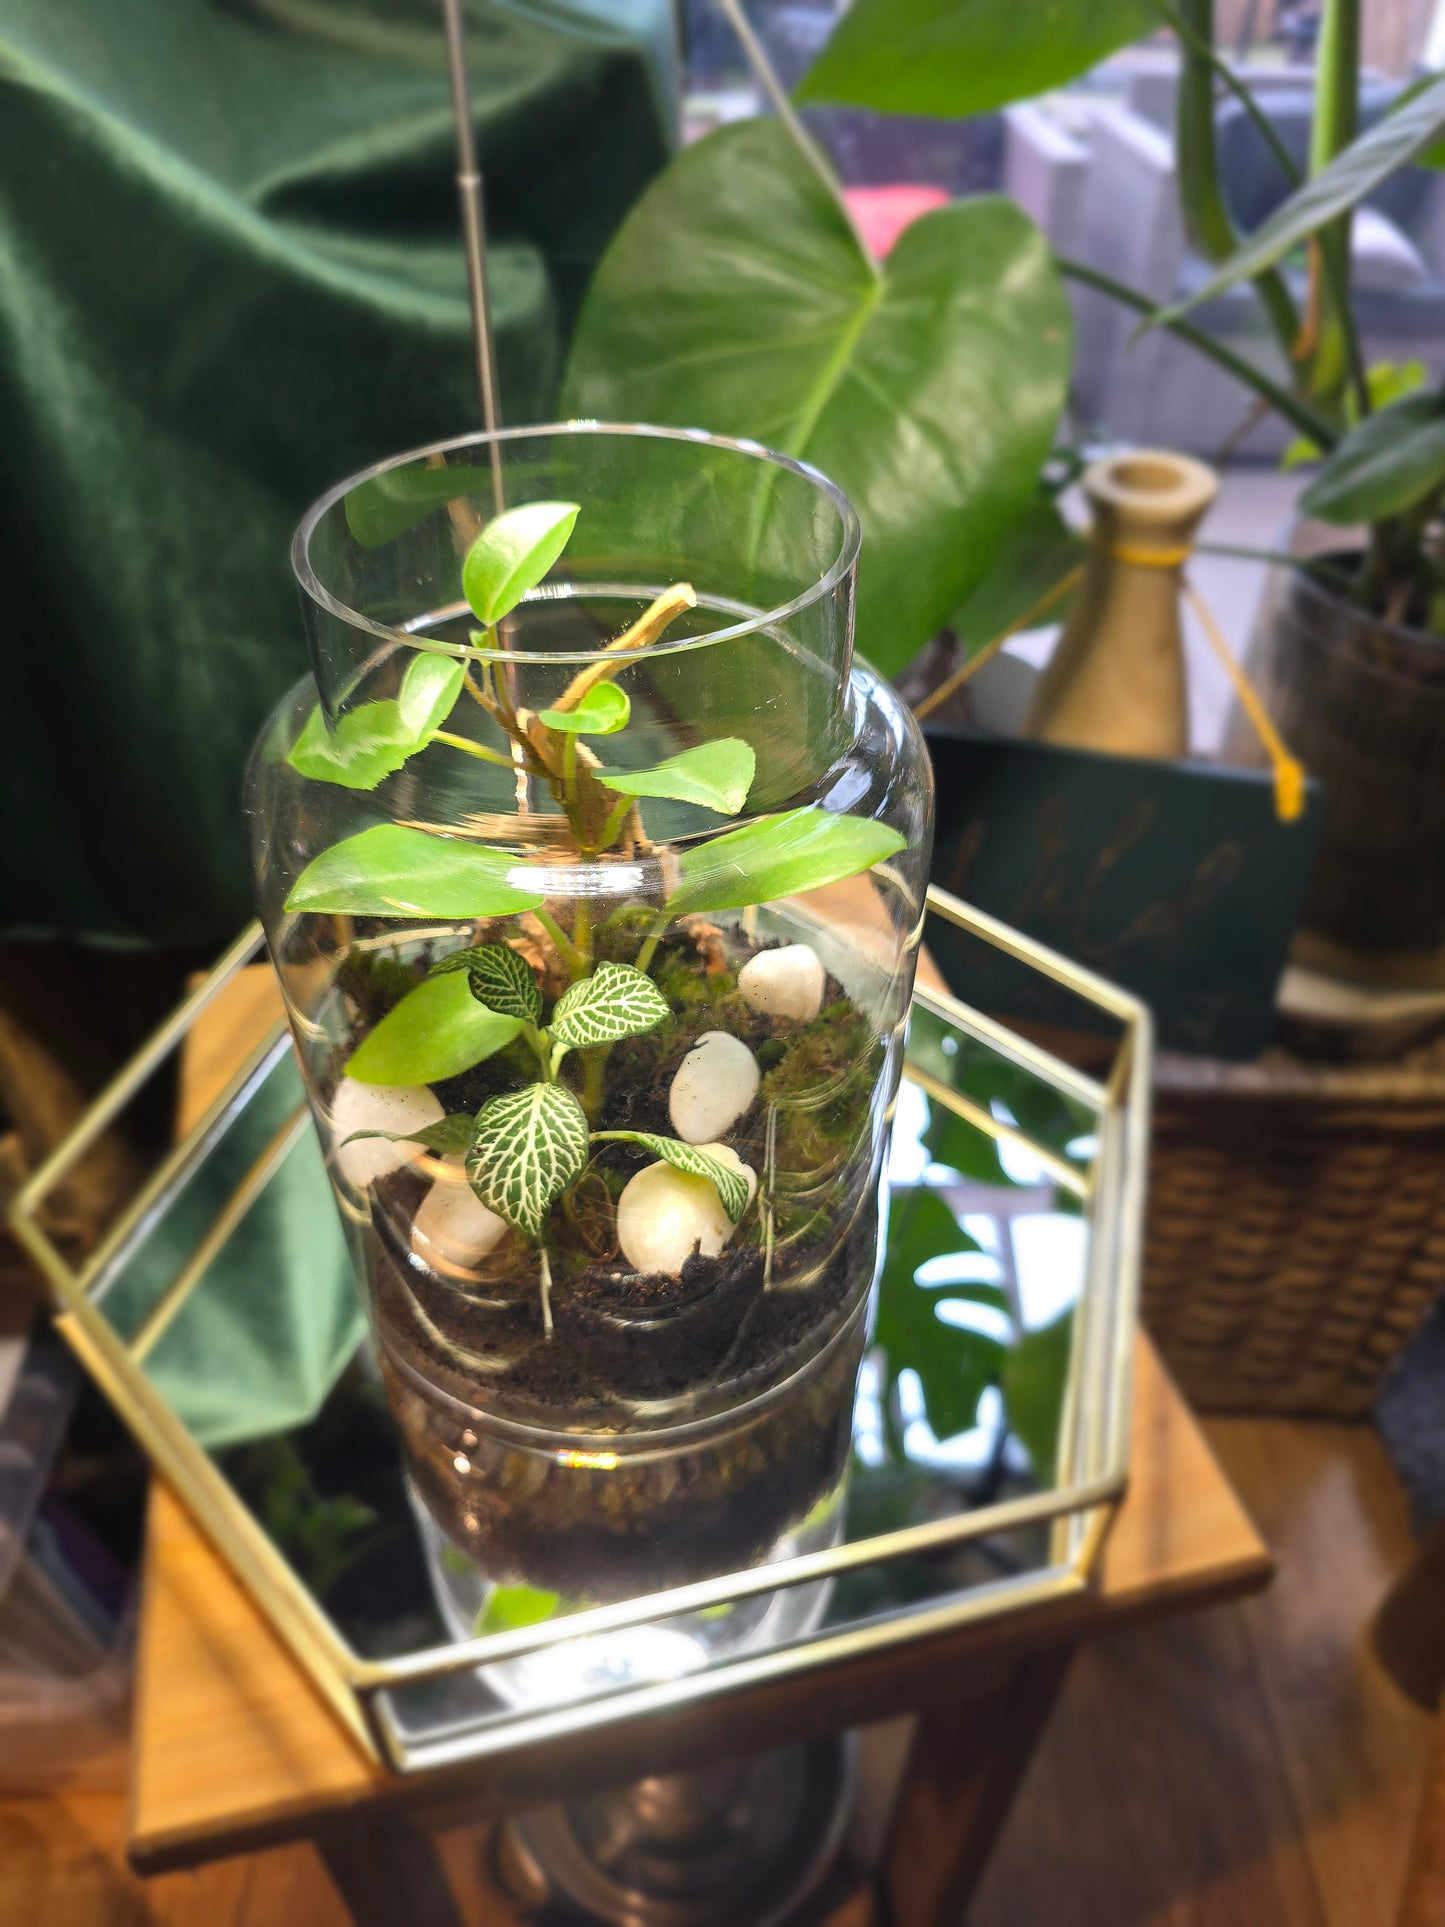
[{"x": 592, "y": 867}]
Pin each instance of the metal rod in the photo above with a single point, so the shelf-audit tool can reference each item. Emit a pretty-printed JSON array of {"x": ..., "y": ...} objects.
[{"x": 474, "y": 236}]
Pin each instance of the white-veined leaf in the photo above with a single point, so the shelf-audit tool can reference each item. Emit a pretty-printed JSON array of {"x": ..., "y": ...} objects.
[
  {"x": 731, "y": 1186},
  {"x": 498, "y": 977},
  {"x": 528, "y": 1147},
  {"x": 616, "y": 1001}
]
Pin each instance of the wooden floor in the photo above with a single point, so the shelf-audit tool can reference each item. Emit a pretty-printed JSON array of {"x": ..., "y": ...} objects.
[{"x": 1249, "y": 1767}]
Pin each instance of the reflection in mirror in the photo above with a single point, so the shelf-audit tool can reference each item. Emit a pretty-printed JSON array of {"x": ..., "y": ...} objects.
[{"x": 958, "y": 1406}]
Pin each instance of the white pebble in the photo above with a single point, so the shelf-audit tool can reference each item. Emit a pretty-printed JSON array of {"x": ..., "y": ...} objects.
[
  {"x": 784, "y": 983},
  {"x": 453, "y": 1228},
  {"x": 714, "y": 1085},
  {"x": 378, "y": 1107},
  {"x": 725, "y": 1154},
  {"x": 664, "y": 1215}
]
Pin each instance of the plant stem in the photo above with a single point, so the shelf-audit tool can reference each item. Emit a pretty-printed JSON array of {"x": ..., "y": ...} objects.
[
  {"x": 1336, "y": 121},
  {"x": 767, "y": 79},
  {"x": 654, "y": 937},
  {"x": 582, "y": 931},
  {"x": 546, "y": 1282},
  {"x": 1200, "y": 196},
  {"x": 615, "y": 820},
  {"x": 479, "y": 750},
  {"x": 566, "y": 949},
  {"x": 1322, "y": 432}
]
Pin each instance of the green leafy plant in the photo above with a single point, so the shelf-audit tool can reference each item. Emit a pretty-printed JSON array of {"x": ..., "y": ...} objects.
[
  {"x": 1382, "y": 449},
  {"x": 527, "y": 1147}
]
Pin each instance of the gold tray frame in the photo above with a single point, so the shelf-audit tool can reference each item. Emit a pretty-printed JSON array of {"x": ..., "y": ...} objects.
[{"x": 1094, "y": 1431}]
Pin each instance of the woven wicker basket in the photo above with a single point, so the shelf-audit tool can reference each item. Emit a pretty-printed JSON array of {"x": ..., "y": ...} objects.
[{"x": 1296, "y": 1227}]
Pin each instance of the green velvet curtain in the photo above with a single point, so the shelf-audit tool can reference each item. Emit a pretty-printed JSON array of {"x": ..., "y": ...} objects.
[{"x": 229, "y": 275}]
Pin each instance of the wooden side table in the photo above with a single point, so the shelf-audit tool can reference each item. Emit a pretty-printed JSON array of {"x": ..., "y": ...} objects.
[{"x": 234, "y": 1751}]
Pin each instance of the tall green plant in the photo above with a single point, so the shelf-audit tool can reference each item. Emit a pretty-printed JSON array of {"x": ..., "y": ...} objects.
[
  {"x": 1384, "y": 466},
  {"x": 526, "y": 1148}
]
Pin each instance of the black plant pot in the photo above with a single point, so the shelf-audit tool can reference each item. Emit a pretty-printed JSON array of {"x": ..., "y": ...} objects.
[{"x": 1361, "y": 703}]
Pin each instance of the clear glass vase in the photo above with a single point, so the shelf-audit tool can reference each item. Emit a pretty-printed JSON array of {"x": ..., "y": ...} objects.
[{"x": 618, "y": 1247}]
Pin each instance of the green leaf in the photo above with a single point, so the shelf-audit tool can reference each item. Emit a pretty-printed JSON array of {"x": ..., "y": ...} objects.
[
  {"x": 1387, "y": 381},
  {"x": 507, "y": 1609},
  {"x": 953, "y": 58},
  {"x": 1033, "y": 1376},
  {"x": 602, "y": 712},
  {"x": 779, "y": 856},
  {"x": 730, "y": 1185},
  {"x": 391, "y": 871},
  {"x": 498, "y": 978},
  {"x": 512, "y": 555},
  {"x": 1394, "y": 459},
  {"x": 1367, "y": 162},
  {"x": 953, "y": 1363},
  {"x": 736, "y": 296},
  {"x": 718, "y": 775},
  {"x": 1038, "y": 551},
  {"x": 379, "y": 510},
  {"x": 437, "y": 1030},
  {"x": 616, "y": 1001},
  {"x": 452, "y": 1137},
  {"x": 373, "y": 741},
  {"x": 529, "y": 1146}
]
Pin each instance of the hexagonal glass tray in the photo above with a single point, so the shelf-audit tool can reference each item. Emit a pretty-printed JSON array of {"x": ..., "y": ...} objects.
[{"x": 990, "y": 1434}]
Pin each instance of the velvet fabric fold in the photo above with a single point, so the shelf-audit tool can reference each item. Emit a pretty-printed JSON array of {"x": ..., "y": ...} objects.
[{"x": 230, "y": 274}]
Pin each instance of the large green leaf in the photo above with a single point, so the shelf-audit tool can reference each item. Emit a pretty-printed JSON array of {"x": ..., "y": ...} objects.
[
  {"x": 778, "y": 856},
  {"x": 375, "y": 739},
  {"x": 1039, "y": 552},
  {"x": 513, "y": 553},
  {"x": 616, "y": 1001},
  {"x": 953, "y": 1362},
  {"x": 437, "y": 1030},
  {"x": 529, "y": 1146},
  {"x": 391, "y": 871},
  {"x": 1390, "y": 145},
  {"x": 386, "y": 506},
  {"x": 958, "y": 57},
  {"x": 1394, "y": 459},
  {"x": 718, "y": 775},
  {"x": 736, "y": 297}
]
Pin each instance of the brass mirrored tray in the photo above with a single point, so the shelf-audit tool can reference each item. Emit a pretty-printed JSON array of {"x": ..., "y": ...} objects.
[{"x": 990, "y": 1429}]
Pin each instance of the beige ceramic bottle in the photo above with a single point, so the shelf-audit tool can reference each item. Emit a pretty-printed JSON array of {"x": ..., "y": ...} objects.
[{"x": 1117, "y": 680}]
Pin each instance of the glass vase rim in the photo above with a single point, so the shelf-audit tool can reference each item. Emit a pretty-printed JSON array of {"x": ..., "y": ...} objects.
[{"x": 844, "y": 561}]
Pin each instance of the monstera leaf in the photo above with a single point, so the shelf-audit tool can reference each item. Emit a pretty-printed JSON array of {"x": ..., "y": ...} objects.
[
  {"x": 960, "y": 57},
  {"x": 737, "y": 298}
]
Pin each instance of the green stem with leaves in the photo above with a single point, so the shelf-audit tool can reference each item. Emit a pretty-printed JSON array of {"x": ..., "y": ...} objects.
[
  {"x": 1201, "y": 196},
  {"x": 1292, "y": 408},
  {"x": 1337, "y": 356}
]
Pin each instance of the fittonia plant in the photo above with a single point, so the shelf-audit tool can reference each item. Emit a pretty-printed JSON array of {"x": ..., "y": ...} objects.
[{"x": 526, "y": 1148}]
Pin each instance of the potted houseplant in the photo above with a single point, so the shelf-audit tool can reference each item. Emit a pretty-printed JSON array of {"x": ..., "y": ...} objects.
[
  {"x": 1350, "y": 655},
  {"x": 593, "y": 881}
]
